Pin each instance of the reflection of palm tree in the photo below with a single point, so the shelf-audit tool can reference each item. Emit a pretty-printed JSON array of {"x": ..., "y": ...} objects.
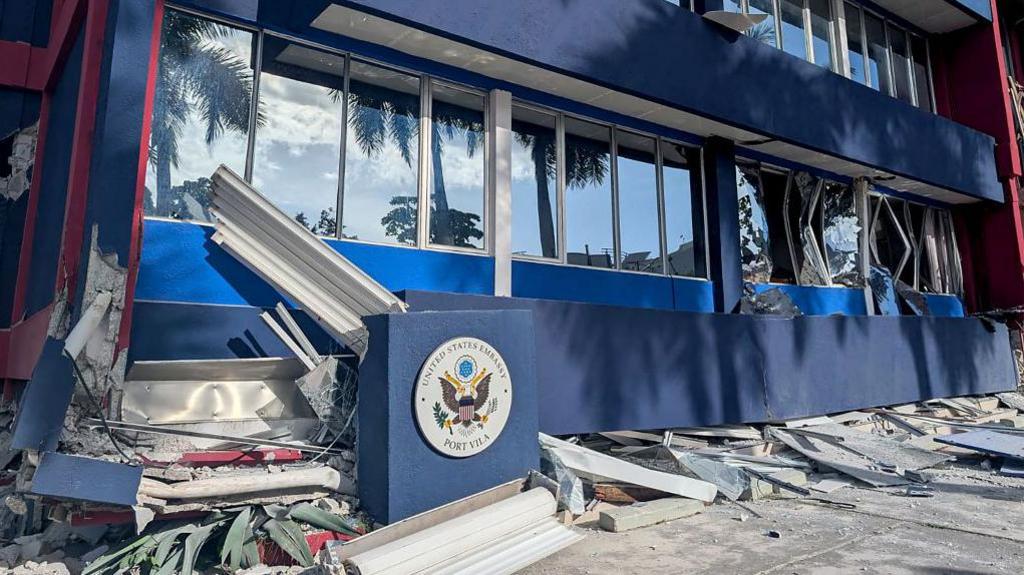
[
  {"x": 194, "y": 76},
  {"x": 541, "y": 143},
  {"x": 764, "y": 32}
]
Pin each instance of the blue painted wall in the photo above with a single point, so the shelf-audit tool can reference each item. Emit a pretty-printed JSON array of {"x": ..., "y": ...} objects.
[
  {"x": 822, "y": 300},
  {"x": 604, "y": 368},
  {"x": 945, "y": 305},
  {"x": 53, "y": 188},
  {"x": 570, "y": 283}
]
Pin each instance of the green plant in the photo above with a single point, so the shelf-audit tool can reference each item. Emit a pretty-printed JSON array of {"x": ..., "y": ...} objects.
[{"x": 173, "y": 548}]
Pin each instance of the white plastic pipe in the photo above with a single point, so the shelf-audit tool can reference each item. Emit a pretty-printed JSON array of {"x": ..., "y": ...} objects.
[
  {"x": 429, "y": 549},
  {"x": 87, "y": 324},
  {"x": 316, "y": 477}
]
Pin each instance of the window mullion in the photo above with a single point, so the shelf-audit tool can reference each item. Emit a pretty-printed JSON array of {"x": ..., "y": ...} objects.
[
  {"x": 805, "y": 14},
  {"x": 426, "y": 155},
  {"x": 868, "y": 76},
  {"x": 343, "y": 150},
  {"x": 560, "y": 184},
  {"x": 660, "y": 182},
  {"x": 616, "y": 228},
  {"x": 254, "y": 102}
]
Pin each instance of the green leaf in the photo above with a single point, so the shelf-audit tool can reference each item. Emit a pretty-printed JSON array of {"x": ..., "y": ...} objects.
[
  {"x": 235, "y": 539},
  {"x": 170, "y": 565},
  {"x": 250, "y": 551},
  {"x": 321, "y": 519},
  {"x": 104, "y": 562},
  {"x": 167, "y": 541},
  {"x": 194, "y": 544},
  {"x": 288, "y": 536}
]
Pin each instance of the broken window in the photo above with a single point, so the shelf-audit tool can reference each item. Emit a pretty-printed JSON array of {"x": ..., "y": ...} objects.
[{"x": 798, "y": 228}]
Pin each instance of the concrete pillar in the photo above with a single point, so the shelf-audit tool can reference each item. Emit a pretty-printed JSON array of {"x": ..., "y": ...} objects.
[
  {"x": 499, "y": 189},
  {"x": 724, "y": 263}
]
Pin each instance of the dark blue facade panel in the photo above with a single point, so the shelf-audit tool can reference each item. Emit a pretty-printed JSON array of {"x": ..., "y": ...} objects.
[
  {"x": 712, "y": 72},
  {"x": 605, "y": 368},
  {"x": 53, "y": 189},
  {"x": 164, "y": 331},
  {"x": 26, "y": 21},
  {"x": 181, "y": 263},
  {"x": 570, "y": 283}
]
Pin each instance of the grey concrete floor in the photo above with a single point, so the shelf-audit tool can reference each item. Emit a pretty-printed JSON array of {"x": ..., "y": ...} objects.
[{"x": 973, "y": 525}]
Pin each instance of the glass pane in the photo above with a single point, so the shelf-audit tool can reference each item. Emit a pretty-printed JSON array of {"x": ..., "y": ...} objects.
[
  {"x": 793, "y": 40},
  {"x": 821, "y": 26},
  {"x": 754, "y": 248},
  {"x": 678, "y": 210},
  {"x": 298, "y": 144},
  {"x": 534, "y": 189},
  {"x": 381, "y": 155},
  {"x": 200, "y": 113},
  {"x": 457, "y": 142},
  {"x": 732, "y": 6},
  {"x": 854, "y": 44},
  {"x": 878, "y": 54},
  {"x": 639, "y": 231},
  {"x": 765, "y": 31},
  {"x": 900, "y": 63},
  {"x": 922, "y": 80},
  {"x": 588, "y": 194}
]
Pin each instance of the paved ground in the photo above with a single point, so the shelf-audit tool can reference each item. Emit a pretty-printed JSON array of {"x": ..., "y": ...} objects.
[{"x": 974, "y": 525}]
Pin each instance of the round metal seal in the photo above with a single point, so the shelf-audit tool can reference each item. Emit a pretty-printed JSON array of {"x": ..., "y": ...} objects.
[{"x": 463, "y": 397}]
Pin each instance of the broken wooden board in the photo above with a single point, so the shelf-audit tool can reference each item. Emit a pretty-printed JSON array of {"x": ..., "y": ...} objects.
[
  {"x": 882, "y": 449},
  {"x": 986, "y": 441},
  {"x": 625, "y": 493},
  {"x": 842, "y": 460},
  {"x": 597, "y": 464}
]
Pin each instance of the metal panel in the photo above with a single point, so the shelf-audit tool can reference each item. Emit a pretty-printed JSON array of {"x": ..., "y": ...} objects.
[
  {"x": 86, "y": 479},
  {"x": 176, "y": 392},
  {"x": 985, "y": 441}
]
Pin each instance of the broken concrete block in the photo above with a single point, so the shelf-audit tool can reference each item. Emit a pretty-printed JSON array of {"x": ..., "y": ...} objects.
[
  {"x": 648, "y": 513},
  {"x": 9, "y": 555},
  {"x": 761, "y": 489}
]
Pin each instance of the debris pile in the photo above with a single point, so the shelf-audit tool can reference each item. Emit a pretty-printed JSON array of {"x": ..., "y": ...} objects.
[{"x": 627, "y": 479}]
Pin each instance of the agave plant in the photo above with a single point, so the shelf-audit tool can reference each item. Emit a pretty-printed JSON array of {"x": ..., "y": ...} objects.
[{"x": 177, "y": 548}]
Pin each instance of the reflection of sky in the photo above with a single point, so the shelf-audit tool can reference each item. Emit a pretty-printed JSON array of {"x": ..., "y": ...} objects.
[
  {"x": 195, "y": 158},
  {"x": 759, "y": 222},
  {"x": 793, "y": 28},
  {"x": 638, "y": 209},
  {"x": 763, "y": 7},
  {"x": 297, "y": 149},
  {"x": 525, "y": 216},
  {"x": 588, "y": 215},
  {"x": 678, "y": 207},
  {"x": 819, "y": 33},
  {"x": 463, "y": 174}
]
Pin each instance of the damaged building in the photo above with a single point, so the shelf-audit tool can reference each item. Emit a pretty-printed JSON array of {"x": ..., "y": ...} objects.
[{"x": 293, "y": 257}]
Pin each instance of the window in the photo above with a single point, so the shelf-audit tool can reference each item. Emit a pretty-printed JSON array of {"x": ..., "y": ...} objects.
[
  {"x": 914, "y": 244},
  {"x": 201, "y": 113},
  {"x": 457, "y": 188},
  {"x": 855, "y": 44},
  {"x": 794, "y": 39},
  {"x": 637, "y": 176},
  {"x": 379, "y": 197},
  {"x": 901, "y": 63},
  {"x": 765, "y": 31},
  {"x": 878, "y": 54},
  {"x": 534, "y": 183},
  {"x": 797, "y": 228},
  {"x": 588, "y": 194},
  {"x": 298, "y": 142},
  {"x": 679, "y": 184},
  {"x": 820, "y": 13},
  {"x": 922, "y": 73}
]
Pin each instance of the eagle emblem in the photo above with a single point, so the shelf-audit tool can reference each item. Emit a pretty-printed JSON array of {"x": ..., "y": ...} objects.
[{"x": 465, "y": 394}]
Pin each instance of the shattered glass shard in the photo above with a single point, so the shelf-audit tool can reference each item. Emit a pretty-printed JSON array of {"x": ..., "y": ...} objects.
[
  {"x": 883, "y": 291},
  {"x": 813, "y": 271},
  {"x": 771, "y": 301},
  {"x": 841, "y": 237},
  {"x": 914, "y": 299},
  {"x": 754, "y": 246}
]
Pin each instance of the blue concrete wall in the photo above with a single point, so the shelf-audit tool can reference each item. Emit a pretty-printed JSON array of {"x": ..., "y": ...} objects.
[
  {"x": 604, "y": 368},
  {"x": 399, "y": 473},
  {"x": 53, "y": 188},
  {"x": 822, "y": 300},
  {"x": 570, "y": 283}
]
